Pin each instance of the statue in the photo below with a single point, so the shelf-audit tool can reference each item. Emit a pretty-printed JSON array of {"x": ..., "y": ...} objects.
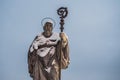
[{"x": 48, "y": 54}]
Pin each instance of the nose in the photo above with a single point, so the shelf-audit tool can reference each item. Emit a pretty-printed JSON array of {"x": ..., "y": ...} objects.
[{"x": 47, "y": 27}]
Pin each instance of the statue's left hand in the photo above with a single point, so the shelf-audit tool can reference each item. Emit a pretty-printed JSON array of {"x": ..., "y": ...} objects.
[{"x": 63, "y": 37}]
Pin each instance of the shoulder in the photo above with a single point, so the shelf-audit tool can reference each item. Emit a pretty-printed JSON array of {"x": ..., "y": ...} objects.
[
  {"x": 55, "y": 35},
  {"x": 38, "y": 36}
]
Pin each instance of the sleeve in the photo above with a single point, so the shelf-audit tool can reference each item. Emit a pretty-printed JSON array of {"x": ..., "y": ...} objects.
[
  {"x": 31, "y": 59},
  {"x": 63, "y": 51}
]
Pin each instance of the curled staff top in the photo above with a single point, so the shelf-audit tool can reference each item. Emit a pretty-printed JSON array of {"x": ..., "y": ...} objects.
[
  {"x": 62, "y": 12},
  {"x": 48, "y": 19}
]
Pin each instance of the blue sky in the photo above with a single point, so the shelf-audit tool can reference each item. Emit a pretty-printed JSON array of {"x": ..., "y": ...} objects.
[{"x": 93, "y": 27}]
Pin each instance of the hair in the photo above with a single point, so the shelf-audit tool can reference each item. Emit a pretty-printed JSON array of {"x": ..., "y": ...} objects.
[{"x": 48, "y": 23}]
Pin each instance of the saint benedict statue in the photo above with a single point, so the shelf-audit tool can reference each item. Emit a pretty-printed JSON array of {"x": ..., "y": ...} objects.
[{"x": 48, "y": 54}]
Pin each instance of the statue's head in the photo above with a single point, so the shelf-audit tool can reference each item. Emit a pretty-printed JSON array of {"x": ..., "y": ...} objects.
[{"x": 48, "y": 27}]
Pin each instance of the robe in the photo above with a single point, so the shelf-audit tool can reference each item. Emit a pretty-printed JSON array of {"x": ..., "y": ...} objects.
[{"x": 44, "y": 62}]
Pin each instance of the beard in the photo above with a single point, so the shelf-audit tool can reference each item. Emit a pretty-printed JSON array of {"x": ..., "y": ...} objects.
[{"x": 48, "y": 33}]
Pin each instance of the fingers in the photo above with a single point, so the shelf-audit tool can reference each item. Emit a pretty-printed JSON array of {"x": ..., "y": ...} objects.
[{"x": 63, "y": 36}]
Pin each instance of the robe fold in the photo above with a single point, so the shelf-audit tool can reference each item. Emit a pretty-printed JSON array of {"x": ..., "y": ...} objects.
[{"x": 44, "y": 61}]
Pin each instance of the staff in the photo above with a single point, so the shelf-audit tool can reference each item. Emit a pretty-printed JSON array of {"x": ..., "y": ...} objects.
[{"x": 62, "y": 12}]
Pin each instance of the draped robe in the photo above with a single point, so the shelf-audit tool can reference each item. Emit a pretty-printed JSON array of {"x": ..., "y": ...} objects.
[{"x": 44, "y": 60}]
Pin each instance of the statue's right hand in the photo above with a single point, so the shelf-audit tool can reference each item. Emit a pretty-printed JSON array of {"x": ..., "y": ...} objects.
[{"x": 35, "y": 46}]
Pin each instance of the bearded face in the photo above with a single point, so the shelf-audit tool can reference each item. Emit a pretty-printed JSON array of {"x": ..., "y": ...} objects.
[{"x": 48, "y": 29}]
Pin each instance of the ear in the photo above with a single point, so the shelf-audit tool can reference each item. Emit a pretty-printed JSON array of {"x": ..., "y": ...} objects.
[{"x": 43, "y": 27}]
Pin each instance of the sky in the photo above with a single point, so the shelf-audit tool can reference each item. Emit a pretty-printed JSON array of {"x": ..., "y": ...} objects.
[{"x": 93, "y": 28}]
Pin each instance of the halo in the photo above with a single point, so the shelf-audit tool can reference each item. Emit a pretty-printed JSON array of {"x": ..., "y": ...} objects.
[{"x": 48, "y": 19}]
